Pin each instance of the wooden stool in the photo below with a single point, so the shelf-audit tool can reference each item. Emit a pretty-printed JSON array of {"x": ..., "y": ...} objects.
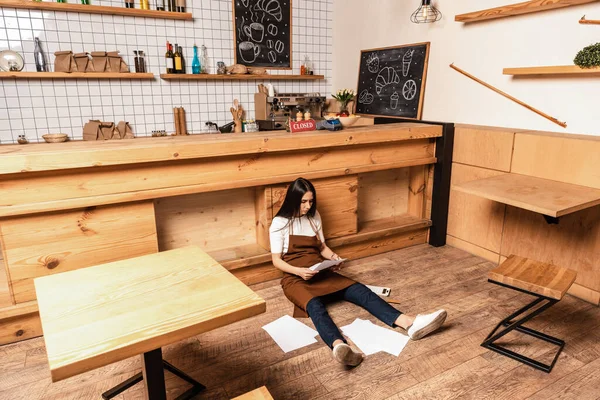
[
  {"x": 547, "y": 283},
  {"x": 257, "y": 394}
]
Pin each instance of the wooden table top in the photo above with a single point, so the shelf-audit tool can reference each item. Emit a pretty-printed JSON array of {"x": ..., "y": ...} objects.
[
  {"x": 96, "y": 316},
  {"x": 534, "y": 276},
  {"x": 540, "y": 195}
]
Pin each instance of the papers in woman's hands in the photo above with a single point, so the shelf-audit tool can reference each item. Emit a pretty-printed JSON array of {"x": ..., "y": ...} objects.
[{"x": 326, "y": 264}]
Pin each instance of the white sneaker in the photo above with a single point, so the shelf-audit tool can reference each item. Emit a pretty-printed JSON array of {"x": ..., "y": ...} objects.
[
  {"x": 346, "y": 355},
  {"x": 425, "y": 324}
]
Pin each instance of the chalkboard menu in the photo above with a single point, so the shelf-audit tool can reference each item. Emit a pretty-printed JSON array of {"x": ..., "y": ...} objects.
[
  {"x": 391, "y": 81},
  {"x": 263, "y": 33}
]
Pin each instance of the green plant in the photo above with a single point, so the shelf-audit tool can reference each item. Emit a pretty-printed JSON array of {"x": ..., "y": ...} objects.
[{"x": 588, "y": 57}]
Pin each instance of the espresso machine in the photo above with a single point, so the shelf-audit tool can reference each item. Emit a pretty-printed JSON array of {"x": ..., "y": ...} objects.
[{"x": 273, "y": 111}]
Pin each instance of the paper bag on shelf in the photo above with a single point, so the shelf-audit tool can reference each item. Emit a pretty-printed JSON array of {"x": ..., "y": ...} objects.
[
  {"x": 124, "y": 130},
  {"x": 82, "y": 60},
  {"x": 100, "y": 61},
  {"x": 114, "y": 62},
  {"x": 123, "y": 68},
  {"x": 64, "y": 61},
  {"x": 91, "y": 130},
  {"x": 106, "y": 130}
]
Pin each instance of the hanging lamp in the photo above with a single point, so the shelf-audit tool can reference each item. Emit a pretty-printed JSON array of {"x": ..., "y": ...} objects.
[{"x": 426, "y": 13}]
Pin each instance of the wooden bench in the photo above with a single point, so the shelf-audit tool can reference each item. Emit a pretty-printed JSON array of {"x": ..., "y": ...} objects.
[
  {"x": 548, "y": 283},
  {"x": 257, "y": 394}
]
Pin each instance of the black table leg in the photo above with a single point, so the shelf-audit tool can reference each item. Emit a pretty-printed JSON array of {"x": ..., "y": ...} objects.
[
  {"x": 153, "y": 374},
  {"x": 509, "y": 323}
]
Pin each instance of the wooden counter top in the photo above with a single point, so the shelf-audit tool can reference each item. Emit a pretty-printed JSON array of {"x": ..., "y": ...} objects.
[{"x": 80, "y": 154}]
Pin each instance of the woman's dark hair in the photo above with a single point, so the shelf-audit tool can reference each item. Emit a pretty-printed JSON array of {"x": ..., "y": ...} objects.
[{"x": 293, "y": 198}]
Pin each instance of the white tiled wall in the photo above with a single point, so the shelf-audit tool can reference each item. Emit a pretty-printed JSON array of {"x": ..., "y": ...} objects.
[{"x": 35, "y": 107}]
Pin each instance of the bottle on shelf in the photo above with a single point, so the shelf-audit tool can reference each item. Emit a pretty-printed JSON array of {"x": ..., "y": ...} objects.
[
  {"x": 182, "y": 60},
  {"x": 196, "y": 62},
  {"x": 303, "y": 67},
  {"x": 177, "y": 61},
  {"x": 136, "y": 61},
  {"x": 128, "y": 3},
  {"x": 160, "y": 5},
  {"x": 180, "y": 5},
  {"x": 40, "y": 59},
  {"x": 144, "y": 5},
  {"x": 86, "y": 2},
  {"x": 203, "y": 60},
  {"x": 169, "y": 59}
]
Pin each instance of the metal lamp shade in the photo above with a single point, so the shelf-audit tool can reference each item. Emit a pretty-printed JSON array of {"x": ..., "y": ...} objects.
[{"x": 426, "y": 13}]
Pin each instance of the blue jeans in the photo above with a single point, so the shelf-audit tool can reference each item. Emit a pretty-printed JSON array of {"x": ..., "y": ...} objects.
[{"x": 358, "y": 294}]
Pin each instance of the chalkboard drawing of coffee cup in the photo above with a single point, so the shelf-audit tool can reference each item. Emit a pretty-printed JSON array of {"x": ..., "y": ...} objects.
[
  {"x": 394, "y": 100},
  {"x": 409, "y": 90},
  {"x": 387, "y": 76},
  {"x": 406, "y": 60},
  {"x": 255, "y": 31},
  {"x": 249, "y": 51}
]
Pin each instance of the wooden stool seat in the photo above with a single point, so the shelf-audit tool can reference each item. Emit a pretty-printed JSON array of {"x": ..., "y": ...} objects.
[
  {"x": 548, "y": 283},
  {"x": 533, "y": 276},
  {"x": 257, "y": 394}
]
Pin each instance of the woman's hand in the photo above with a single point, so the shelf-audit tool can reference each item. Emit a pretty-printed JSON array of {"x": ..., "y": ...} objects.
[{"x": 306, "y": 273}]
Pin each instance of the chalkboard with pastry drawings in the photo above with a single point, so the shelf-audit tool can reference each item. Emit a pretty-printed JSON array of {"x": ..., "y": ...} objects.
[
  {"x": 263, "y": 33},
  {"x": 391, "y": 81}
]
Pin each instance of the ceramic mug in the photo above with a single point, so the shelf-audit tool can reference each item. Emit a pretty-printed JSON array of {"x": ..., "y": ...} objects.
[
  {"x": 255, "y": 31},
  {"x": 249, "y": 51}
]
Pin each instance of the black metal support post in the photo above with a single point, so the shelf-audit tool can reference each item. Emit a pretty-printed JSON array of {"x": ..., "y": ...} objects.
[
  {"x": 444, "y": 147},
  {"x": 153, "y": 374},
  {"x": 509, "y": 324}
]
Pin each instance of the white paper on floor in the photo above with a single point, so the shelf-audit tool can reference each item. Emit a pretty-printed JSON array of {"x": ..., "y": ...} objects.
[
  {"x": 290, "y": 334},
  {"x": 371, "y": 338}
]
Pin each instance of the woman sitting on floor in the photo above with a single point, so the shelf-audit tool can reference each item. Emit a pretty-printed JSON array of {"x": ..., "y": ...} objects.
[{"x": 297, "y": 243}]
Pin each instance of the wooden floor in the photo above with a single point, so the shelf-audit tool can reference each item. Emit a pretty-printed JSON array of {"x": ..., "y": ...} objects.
[{"x": 450, "y": 364}]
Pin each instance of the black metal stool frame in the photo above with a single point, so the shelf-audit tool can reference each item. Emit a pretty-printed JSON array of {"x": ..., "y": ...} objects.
[
  {"x": 511, "y": 324},
  {"x": 155, "y": 379}
]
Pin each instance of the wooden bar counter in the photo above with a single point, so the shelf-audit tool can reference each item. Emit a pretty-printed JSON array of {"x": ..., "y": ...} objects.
[{"x": 76, "y": 204}]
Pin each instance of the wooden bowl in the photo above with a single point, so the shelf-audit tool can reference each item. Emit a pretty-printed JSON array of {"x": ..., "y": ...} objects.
[
  {"x": 349, "y": 121},
  {"x": 55, "y": 137}
]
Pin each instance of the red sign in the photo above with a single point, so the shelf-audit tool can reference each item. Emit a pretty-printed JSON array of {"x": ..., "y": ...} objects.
[{"x": 301, "y": 126}]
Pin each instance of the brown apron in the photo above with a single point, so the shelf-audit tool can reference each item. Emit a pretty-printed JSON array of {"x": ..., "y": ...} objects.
[{"x": 304, "y": 252}]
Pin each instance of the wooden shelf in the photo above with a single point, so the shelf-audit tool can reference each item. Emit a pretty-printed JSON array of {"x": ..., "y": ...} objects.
[
  {"x": 246, "y": 77},
  {"x": 75, "y": 75},
  {"x": 552, "y": 70},
  {"x": 543, "y": 196},
  {"x": 90, "y": 9},
  {"x": 249, "y": 255},
  {"x": 518, "y": 9}
]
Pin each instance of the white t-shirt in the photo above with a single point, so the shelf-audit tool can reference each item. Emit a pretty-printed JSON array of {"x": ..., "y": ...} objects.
[{"x": 279, "y": 233}]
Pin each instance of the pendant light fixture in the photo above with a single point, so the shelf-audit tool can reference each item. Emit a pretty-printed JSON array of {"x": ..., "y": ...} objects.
[{"x": 426, "y": 13}]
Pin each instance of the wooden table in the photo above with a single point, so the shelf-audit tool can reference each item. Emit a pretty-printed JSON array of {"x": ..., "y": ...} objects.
[
  {"x": 543, "y": 196},
  {"x": 99, "y": 315}
]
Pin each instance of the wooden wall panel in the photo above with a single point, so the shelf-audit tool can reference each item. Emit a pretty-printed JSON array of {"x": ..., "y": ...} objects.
[
  {"x": 212, "y": 221},
  {"x": 263, "y": 212},
  {"x": 337, "y": 204},
  {"x": 416, "y": 191},
  {"x": 473, "y": 249},
  {"x": 44, "y": 244},
  {"x": 382, "y": 194},
  {"x": 573, "y": 243},
  {"x": 474, "y": 219},
  {"x": 483, "y": 147},
  {"x": 565, "y": 158},
  {"x": 20, "y": 328}
]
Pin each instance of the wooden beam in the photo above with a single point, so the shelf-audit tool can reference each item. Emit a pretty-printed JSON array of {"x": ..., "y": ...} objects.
[
  {"x": 75, "y": 75},
  {"x": 518, "y": 9},
  {"x": 238, "y": 77}
]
